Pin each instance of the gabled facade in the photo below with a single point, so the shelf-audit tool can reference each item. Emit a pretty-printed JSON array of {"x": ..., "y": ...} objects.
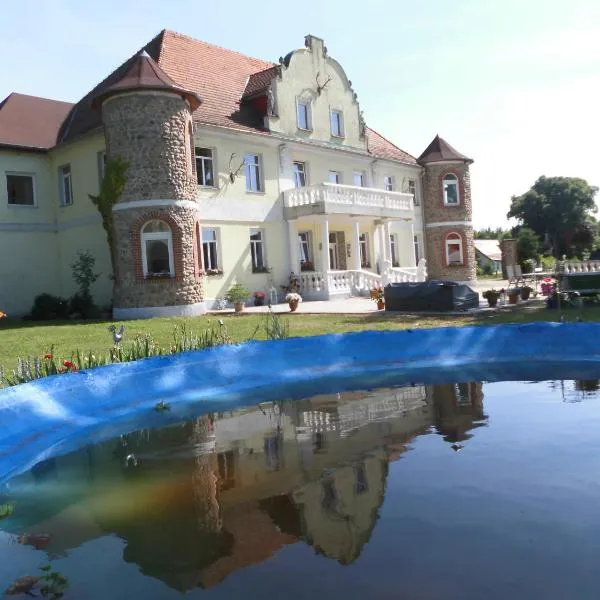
[{"x": 240, "y": 170}]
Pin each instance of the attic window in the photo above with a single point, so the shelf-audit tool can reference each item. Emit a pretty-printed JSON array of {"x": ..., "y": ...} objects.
[{"x": 303, "y": 112}]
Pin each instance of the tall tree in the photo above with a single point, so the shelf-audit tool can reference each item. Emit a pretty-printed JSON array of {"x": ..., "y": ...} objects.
[
  {"x": 556, "y": 208},
  {"x": 111, "y": 188},
  {"x": 489, "y": 234}
]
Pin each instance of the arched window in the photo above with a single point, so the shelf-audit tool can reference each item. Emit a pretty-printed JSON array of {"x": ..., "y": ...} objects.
[
  {"x": 157, "y": 249},
  {"x": 451, "y": 196},
  {"x": 454, "y": 249}
]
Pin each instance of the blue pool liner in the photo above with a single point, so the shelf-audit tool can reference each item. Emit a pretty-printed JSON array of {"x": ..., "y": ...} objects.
[{"x": 59, "y": 414}]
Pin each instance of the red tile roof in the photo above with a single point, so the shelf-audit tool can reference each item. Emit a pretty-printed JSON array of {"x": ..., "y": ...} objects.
[
  {"x": 31, "y": 122},
  {"x": 440, "y": 150},
  {"x": 381, "y": 148},
  {"x": 219, "y": 76},
  {"x": 144, "y": 74}
]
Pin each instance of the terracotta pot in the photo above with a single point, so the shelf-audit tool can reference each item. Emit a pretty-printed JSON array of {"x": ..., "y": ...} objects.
[
  {"x": 525, "y": 294},
  {"x": 380, "y": 304},
  {"x": 492, "y": 301},
  {"x": 293, "y": 304},
  {"x": 513, "y": 298},
  {"x": 239, "y": 307}
]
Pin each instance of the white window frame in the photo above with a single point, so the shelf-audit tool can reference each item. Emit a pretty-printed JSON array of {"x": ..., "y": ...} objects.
[
  {"x": 339, "y": 122},
  {"x": 457, "y": 239},
  {"x": 33, "y": 186},
  {"x": 253, "y": 245},
  {"x": 362, "y": 175},
  {"x": 300, "y": 168},
  {"x": 257, "y": 166},
  {"x": 418, "y": 248},
  {"x": 200, "y": 160},
  {"x": 305, "y": 246},
  {"x": 445, "y": 190},
  {"x": 363, "y": 245},
  {"x": 157, "y": 235},
  {"x": 307, "y": 105},
  {"x": 412, "y": 189},
  {"x": 394, "y": 250},
  {"x": 62, "y": 177},
  {"x": 389, "y": 183},
  {"x": 338, "y": 177},
  {"x": 216, "y": 242},
  {"x": 101, "y": 165}
]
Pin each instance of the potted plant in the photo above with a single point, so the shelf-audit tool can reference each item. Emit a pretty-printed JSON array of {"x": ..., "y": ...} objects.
[
  {"x": 513, "y": 295},
  {"x": 307, "y": 266},
  {"x": 259, "y": 298},
  {"x": 526, "y": 292},
  {"x": 237, "y": 295},
  {"x": 492, "y": 296},
  {"x": 293, "y": 299},
  {"x": 377, "y": 296}
]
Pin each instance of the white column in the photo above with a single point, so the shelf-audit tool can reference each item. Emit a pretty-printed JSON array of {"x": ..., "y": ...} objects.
[
  {"x": 325, "y": 256},
  {"x": 325, "y": 246},
  {"x": 294, "y": 247},
  {"x": 386, "y": 232},
  {"x": 355, "y": 264}
]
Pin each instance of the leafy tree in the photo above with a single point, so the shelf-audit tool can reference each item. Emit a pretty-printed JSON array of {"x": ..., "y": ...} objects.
[
  {"x": 556, "y": 208},
  {"x": 490, "y": 234},
  {"x": 528, "y": 246},
  {"x": 113, "y": 183}
]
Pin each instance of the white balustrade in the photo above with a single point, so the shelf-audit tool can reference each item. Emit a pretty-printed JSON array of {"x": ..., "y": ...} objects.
[
  {"x": 311, "y": 282},
  {"x": 347, "y": 195},
  {"x": 583, "y": 267}
]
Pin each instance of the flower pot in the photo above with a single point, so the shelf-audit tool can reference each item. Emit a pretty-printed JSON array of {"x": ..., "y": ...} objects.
[
  {"x": 293, "y": 304},
  {"x": 259, "y": 301},
  {"x": 525, "y": 294},
  {"x": 513, "y": 298},
  {"x": 492, "y": 301},
  {"x": 380, "y": 304},
  {"x": 238, "y": 306}
]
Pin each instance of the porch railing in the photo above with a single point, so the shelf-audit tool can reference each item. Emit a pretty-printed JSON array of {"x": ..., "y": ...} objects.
[{"x": 582, "y": 267}]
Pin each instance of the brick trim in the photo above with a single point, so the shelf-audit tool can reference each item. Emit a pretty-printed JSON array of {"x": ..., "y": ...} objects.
[
  {"x": 136, "y": 245},
  {"x": 465, "y": 257},
  {"x": 461, "y": 188}
]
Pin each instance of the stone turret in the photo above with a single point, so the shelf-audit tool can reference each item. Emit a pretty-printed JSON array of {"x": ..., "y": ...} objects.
[
  {"x": 447, "y": 213},
  {"x": 147, "y": 121}
]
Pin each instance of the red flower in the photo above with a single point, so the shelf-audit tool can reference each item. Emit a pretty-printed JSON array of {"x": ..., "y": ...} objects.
[
  {"x": 48, "y": 356},
  {"x": 70, "y": 365}
]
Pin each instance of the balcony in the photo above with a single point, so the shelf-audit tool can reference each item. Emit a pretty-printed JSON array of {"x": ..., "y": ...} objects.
[{"x": 333, "y": 198}]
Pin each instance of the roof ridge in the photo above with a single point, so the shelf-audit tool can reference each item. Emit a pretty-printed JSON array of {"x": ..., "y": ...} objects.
[
  {"x": 37, "y": 98},
  {"x": 390, "y": 142},
  {"x": 189, "y": 37}
]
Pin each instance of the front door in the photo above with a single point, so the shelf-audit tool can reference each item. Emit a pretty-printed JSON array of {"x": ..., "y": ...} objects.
[{"x": 333, "y": 252}]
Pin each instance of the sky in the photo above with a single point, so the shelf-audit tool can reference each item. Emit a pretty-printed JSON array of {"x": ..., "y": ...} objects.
[{"x": 514, "y": 84}]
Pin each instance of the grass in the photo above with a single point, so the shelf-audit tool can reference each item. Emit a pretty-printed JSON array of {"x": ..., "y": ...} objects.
[{"x": 30, "y": 339}]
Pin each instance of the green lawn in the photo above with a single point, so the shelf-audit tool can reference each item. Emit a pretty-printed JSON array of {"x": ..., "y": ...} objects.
[{"x": 27, "y": 339}]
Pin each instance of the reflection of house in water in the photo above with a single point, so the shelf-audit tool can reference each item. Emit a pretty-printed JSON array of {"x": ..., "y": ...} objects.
[
  {"x": 229, "y": 490},
  {"x": 458, "y": 409}
]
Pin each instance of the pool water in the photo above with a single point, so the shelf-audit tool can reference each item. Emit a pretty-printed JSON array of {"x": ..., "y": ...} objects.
[{"x": 450, "y": 491}]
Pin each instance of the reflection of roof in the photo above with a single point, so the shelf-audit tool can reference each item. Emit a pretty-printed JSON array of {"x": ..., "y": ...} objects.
[{"x": 489, "y": 248}]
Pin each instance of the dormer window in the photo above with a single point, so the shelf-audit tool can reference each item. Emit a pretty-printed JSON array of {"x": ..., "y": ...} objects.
[
  {"x": 303, "y": 113},
  {"x": 451, "y": 189},
  {"x": 337, "y": 123}
]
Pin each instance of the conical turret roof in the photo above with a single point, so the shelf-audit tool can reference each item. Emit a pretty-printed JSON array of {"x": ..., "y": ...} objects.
[
  {"x": 440, "y": 150},
  {"x": 143, "y": 73}
]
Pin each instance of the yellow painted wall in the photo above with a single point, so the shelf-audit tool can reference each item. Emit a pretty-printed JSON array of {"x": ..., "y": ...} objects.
[{"x": 79, "y": 225}]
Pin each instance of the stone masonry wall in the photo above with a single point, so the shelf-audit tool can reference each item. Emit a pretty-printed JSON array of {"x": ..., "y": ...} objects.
[
  {"x": 510, "y": 256},
  {"x": 436, "y": 254},
  {"x": 151, "y": 132},
  {"x": 132, "y": 290},
  {"x": 435, "y": 211}
]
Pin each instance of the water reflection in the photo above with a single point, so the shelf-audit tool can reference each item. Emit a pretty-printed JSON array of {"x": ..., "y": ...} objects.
[{"x": 197, "y": 501}]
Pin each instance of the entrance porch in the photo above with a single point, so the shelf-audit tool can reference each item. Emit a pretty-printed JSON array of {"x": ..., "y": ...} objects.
[{"x": 338, "y": 256}]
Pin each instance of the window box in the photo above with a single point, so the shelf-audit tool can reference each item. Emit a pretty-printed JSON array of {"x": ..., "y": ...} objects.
[
  {"x": 213, "y": 272},
  {"x": 307, "y": 266},
  {"x": 261, "y": 269}
]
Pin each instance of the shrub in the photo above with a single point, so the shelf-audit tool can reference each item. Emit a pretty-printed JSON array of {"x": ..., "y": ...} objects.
[
  {"x": 84, "y": 276},
  {"x": 47, "y": 307}
]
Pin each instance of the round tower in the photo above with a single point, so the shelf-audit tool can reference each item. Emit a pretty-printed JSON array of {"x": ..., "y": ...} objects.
[
  {"x": 447, "y": 213},
  {"x": 147, "y": 121}
]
